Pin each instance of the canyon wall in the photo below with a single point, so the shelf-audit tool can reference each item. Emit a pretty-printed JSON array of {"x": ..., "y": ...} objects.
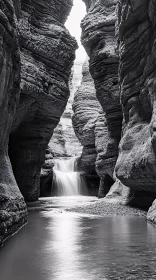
[
  {"x": 100, "y": 42},
  {"x": 13, "y": 213},
  {"x": 36, "y": 54},
  {"x": 136, "y": 164},
  {"x": 119, "y": 37},
  {"x": 63, "y": 142},
  {"x": 86, "y": 110},
  {"x": 47, "y": 54}
]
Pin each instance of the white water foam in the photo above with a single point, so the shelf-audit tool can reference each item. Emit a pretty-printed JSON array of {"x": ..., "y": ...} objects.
[{"x": 66, "y": 179}]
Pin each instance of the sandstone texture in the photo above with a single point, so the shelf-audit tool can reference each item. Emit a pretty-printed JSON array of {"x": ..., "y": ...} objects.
[
  {"x": 64, "y": 142},
  {"x": 86, "y": 109},
  {"x": 114, "y": 107},
  {"x": 136, "y": 164},
  {"x": 100, "y": 42},
  {"x": 13, "y": 213},
  {"x": 47, "y": 54},
  {"x": 36, "y": 55}
]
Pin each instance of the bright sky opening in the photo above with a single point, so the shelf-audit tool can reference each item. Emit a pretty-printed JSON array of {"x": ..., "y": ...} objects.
[{"x": 73, "y": 25}]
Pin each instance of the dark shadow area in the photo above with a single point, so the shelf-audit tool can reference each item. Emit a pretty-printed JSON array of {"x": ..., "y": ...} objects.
[
  {"x": 105, "y": 185},
  {"x": 142, "y": 200}
]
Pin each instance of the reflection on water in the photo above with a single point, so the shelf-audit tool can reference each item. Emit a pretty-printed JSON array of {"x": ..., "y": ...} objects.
[{"x": 70, "y": 246}]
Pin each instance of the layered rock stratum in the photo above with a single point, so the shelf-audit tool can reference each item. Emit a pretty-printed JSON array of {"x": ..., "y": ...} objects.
[
  {"x": 136, "y": 164},
  {"x": 47, "y": 54},
  {"x": 13, "y": 213},
  {"x": 100, "y": 42},
  {"x": 63, "y": 142},
  {"x": 121, "y": 47},
  {"x": 36, "y": 54},
  {"x": 86, "y": 109}
]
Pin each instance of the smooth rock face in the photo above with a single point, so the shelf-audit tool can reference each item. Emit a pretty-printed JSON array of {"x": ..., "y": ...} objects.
[
  {"x": 136, "y": 165},
  {"x": 47, "y": 54},
  {"x": 13, "y": 213},
  {"x": 100, "y": 42}
]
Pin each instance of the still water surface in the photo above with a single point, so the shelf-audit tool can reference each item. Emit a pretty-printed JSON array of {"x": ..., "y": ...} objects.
[{"x": 58, "y": 245}]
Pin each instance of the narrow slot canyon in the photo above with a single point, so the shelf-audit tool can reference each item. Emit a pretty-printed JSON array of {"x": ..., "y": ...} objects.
[{"x": 77, "y": 140}]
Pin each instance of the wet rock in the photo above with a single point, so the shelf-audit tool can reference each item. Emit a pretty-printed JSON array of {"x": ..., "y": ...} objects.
[
  {"x": 46, "y": 176},
  {"x": 13, "y": 213},
  {"x": 151, "y": 215}
]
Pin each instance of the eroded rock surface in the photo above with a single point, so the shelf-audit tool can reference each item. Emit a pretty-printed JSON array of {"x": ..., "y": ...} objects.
[
  {"x": 13, "y": 213},
  {"x": 36, "y": 56},
  {"x": 86, "y": 109},
  {"x": 100, "y": 42},
  {"x": 47, "y": 54},
  {"x": 136, "y": 165},
  {"x": 64, "y": 142}
]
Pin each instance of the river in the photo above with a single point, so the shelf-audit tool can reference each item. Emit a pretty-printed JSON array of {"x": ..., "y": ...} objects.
[{"x": 61, "y": 245}]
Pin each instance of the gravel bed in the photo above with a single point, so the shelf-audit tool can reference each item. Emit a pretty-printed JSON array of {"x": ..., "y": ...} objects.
[{"x": 108, "y": 209}]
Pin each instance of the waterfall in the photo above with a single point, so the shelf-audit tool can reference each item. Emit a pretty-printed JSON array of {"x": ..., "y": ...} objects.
[{"x": 66, "y": 180}]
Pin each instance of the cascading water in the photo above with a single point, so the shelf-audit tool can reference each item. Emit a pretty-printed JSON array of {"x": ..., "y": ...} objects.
[{"x": 66, "y": 180}]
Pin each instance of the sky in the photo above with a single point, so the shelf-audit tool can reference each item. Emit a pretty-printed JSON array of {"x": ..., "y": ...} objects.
[{"x": 73, "y": 25}]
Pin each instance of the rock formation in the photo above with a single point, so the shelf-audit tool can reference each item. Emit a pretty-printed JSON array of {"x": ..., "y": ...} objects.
[
  {"x": 36, "y": 56},
  {"x": 13, "y": 213},
  {"x": 64, "y": 142},
  {"x": 135, "y": 168},
  {"x": 100, "y": 42},
  {"x": 45, "y": 51},
  {"x": 86, "y": 110},
  {"x": 136, "y": 164}
]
